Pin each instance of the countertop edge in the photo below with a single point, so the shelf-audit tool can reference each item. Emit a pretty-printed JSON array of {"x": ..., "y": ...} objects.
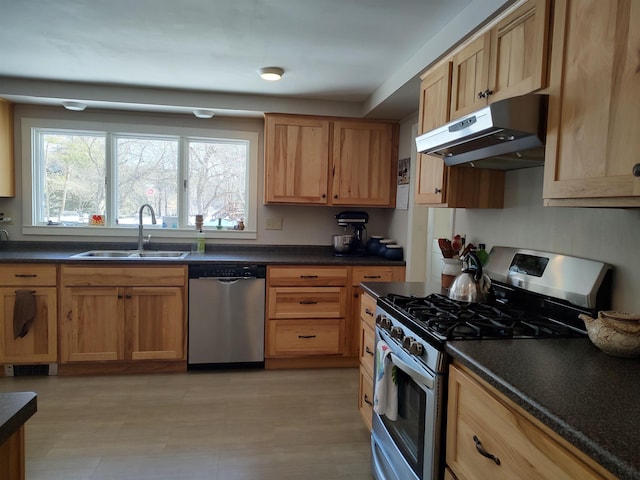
[{"x": 22, "y": 407}]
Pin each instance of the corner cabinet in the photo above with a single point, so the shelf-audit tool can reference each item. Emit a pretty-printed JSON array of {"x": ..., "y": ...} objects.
[
  {"x": 122, "y": 314},
  {"x": 7, "y": 162},
  {"x": 436, "y": 183},
  {"x": 506, "y": 61},
  {"x": 488, "y": 436},
  {"x": 329, "y": 161},
  {"x": 39, "y": 345},
  {"x": 591, "y": 155}
]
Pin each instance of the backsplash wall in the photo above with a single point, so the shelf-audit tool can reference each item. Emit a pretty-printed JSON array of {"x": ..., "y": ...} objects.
[{"x": 606, "y": 234}]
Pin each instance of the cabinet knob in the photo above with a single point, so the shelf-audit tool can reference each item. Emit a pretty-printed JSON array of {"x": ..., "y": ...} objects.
[
  {"x": 481, "y": 95},
  {"x": 335, "y": 196},
  {"x": 488, "y": 92},
  {"x": 324, "y": 195},
  {"x": 438, "y": 190},
  {"x": 636, "y": 170}
]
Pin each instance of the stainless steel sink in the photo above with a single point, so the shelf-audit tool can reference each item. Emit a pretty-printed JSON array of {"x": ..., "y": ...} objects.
[{"x": 133, "y": 254}]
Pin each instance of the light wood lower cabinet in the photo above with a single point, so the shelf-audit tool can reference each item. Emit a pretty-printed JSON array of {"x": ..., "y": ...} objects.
[
  {"x": 122, "y": 314},
  {"x": 39, "y": 345},
  {"x": 313, "y": 313},
  {"x": 488, "y": 436},
  {"x": 367, "y": 354}
]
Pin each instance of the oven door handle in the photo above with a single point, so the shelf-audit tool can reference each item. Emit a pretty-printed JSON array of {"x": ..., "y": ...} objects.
[{"x": 412, "y": 372}]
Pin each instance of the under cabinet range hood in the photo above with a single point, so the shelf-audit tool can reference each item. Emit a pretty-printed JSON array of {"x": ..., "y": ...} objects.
[{"x": 505, "y": 135}]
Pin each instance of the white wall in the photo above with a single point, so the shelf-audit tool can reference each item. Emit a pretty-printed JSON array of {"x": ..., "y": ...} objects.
[
  {"x": 301, "y": 225},
  {"x": 606, "y": 234}
]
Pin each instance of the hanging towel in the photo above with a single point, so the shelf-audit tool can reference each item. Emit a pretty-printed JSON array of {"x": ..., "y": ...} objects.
[
  {"x": 385, "y": 398},
  {"x": 24, "y": 311}
]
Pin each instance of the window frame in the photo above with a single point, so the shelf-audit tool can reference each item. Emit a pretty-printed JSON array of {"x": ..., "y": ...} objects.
[{"x": 32, "y": 173}]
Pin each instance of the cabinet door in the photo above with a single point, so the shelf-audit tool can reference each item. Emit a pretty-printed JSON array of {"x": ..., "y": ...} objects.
[
  {"x": 470, "y": 77},
  {"x": 519, "y": 44},
  {"x": 435, "y": 98},
  {"x": 154, "y": 323},
  {"x": 305, "y": 337},
  {"x": 39, "y": 345},
  {"x": 364, "y": 163},
  {"x": 592, "y": 140},
  {"x": 92, "y": 324},
  {"x": 307, "y": 302},
  {"x": 296, "y": 163},
  {"x": 7, "y": 179}
]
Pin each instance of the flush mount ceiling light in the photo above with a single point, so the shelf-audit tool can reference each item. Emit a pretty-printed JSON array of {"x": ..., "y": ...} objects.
[
  {"x": 74, "y": 106},
  {"x": 271, "y": 73},
  {"x": 204, "y": 113}
]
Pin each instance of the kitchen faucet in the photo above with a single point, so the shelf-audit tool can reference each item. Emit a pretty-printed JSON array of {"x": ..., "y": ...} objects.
[
  {"x": 6, "y": 234},
  {"x": 141, "y": 242}
]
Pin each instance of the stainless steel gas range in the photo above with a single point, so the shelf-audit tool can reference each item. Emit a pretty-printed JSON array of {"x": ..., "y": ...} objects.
[{"x": 535, "y": 295}]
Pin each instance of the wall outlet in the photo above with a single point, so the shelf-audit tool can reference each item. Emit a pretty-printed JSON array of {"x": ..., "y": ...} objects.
[
  {"x": 273, "y": 223},
  {"x": 5, "y": 217}
]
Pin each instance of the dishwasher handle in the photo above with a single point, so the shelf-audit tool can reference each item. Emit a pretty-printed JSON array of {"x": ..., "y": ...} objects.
[{"x": 227, "y": 279}]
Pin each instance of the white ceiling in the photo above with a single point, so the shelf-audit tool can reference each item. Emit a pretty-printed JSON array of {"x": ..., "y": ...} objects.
[{"x": 341, "y": 56}]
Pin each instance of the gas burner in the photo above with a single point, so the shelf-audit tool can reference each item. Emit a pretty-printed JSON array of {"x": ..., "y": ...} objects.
[{"x": 447, "y": 319}]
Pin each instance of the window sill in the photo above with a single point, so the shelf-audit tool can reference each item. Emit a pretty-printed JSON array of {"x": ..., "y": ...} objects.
[{"x": 165, "y": 233}]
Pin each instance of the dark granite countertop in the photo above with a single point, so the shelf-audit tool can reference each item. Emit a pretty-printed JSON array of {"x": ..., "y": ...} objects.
[
  {"x": 15, "y": 409},
  {"x": 56, "y": 252},
  {"x": 589, "y": 398}
]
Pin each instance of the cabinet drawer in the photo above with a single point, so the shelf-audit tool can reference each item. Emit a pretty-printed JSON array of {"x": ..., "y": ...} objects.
[
  {"x": 305, "y": 337},
  {"x": 372, "y": 274},
  {"x": 368, "y": 310},
  {"x": 123, "y": 276},
  {"x": 308, "y": 302},
  {"x": 523, "y": 449},
  {"x": 307, "y": 276},
  {"x": 365, "y": 398},
  {"x": 27, "y": 274},
  {"x": 367, "y": 348}
]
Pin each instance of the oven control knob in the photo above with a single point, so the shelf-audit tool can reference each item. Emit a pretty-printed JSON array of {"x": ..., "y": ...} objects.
[
  {"x": 396, "y": 332},
  {"x": 383, "y": 322},
  {"x": 416, "y": 349},
  {"x": 406, "y": 343}
]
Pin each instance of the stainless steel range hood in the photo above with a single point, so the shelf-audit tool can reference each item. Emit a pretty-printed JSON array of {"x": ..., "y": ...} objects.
[{"x": 504, "y": 135}]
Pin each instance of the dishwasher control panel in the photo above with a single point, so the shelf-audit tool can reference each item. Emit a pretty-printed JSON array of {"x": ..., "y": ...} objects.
[{"x": 227, "y": 270}]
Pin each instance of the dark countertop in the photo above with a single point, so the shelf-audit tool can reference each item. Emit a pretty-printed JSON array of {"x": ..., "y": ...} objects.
[
  {"x": 589, "y": 398},
  {"x": 57, "y": 252},
  {"x": 15, "y": 409}
]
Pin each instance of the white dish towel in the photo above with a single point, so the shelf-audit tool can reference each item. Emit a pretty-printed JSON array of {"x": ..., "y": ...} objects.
[{"x": 385, "y": 398}]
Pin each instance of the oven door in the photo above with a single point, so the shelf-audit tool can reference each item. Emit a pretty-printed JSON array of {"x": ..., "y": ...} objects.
[{"x": 409, "y": 447}]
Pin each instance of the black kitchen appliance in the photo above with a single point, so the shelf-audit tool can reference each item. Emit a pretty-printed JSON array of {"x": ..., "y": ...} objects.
[
  {"x": 534, "y": 295},
  {"x": 357, "y": 222}
]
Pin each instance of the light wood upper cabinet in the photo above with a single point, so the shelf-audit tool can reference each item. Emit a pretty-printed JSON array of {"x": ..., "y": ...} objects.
[
  {"x": 329, "y": 161},
  {"x": 296, "y": 159},
  {"x": 7, "y": 179},
  {"x": 437, "y": 184},
  {"x": 362, "y": 163},
  {"x": 591, "y": 155},
  {"x": 508, "y": 60}
]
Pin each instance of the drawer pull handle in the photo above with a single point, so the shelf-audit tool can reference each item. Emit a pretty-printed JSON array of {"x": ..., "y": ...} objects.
[
  {"x": 308, "y": 276},
  {"x": 30, "y": 291},
  {"x": 308, "y": 302},
  {"x": 367, "y": 401},
  {"x": 306, "y": 336},
  {"x": 368, "y": 312},
  {"x": 373, "y": 276},
  {"x": 483, "y": 452},
  {"x": 366, "y": 349},
  {"x": 26, "y": 275}
]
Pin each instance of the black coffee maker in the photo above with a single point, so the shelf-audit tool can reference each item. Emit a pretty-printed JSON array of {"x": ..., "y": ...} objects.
[{"x": 357, "y": 221}]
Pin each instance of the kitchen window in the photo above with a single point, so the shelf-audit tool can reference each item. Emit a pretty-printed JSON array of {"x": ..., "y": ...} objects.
[{"x": 87, "y": 175}]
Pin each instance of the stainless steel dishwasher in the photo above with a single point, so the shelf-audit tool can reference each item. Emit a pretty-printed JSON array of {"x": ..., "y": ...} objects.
[{"x": 226, "y": 316}]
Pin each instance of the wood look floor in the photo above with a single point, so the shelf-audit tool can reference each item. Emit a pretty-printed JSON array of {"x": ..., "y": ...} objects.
[{"x": 223, "y": 425}]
